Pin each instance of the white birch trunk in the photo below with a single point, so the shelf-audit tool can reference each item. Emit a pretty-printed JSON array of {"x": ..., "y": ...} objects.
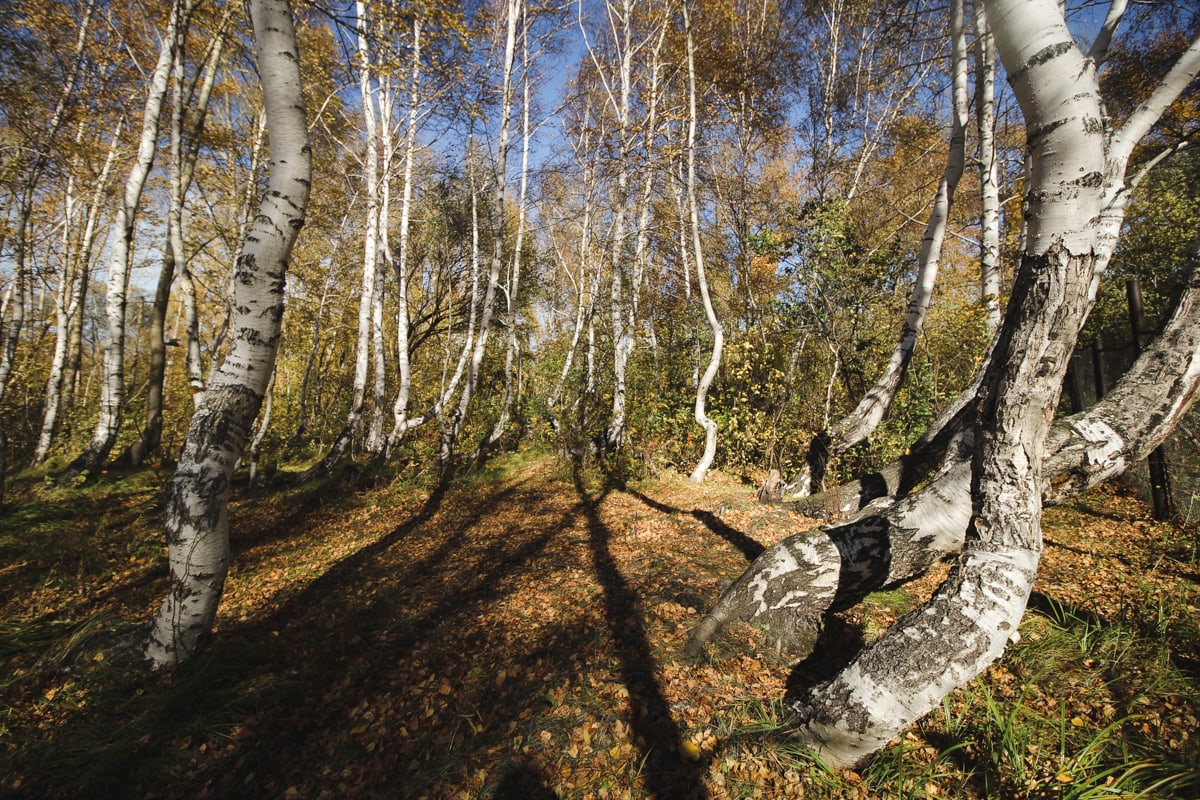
[
  {"x": 15, "y": 297},
  {"x": 404, "y": 363},
  {"x": 181, "y": 168},
  {"x": 718, "y": 333},
  {"x": 451, "y": 434},
  {"x": 989, "y": 181},
  {"x": 512, "y": 294},
  {"x": 1075, "y": 204},
  {"x": 72, "y": 292},
  {"x": 112, "y": 391},
  {"x": 871, "y": 410},
  {"x": 583, "y": 282},
  {"x": 622, "y": 335},
  {"x": 197, "y": 508},
  {"x": 370, "y": 260}
]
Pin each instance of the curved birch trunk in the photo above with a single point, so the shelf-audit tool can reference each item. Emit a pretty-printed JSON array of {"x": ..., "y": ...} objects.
[
  {"x": 197, "y": 507},
  {"x": 718, "y": 333},
  {"x": 1075, "y": 208},
  {"x": 794, "y": 583},
  {"x": 875, "y": 404}
]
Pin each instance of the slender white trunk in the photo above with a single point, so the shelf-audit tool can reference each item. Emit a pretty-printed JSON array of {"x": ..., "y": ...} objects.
[
  {"x": 260, "y": 433},
  {"x": 181, "y": 167},
  {"x": 368, "y": 94},
  {"x": 512, "y": 295},
  {"x": 622, "y": 334},
  {"x": 989, "y": 181},
  {"x": 15, "y": 297},
  {"x": 72, "y": 291},
  {"x": 451, "y": 434},
  {"x": 404, "y": 362},
  {"x": 718, "y": 333},
  {"x": 112, "y": 390},
  {"x": 581, "y": 284},
  {"x": 871, "y": 410},
  {"x": 451, "y": 427},
  {"x": 197, "y": 507},
  {"x": 374, "y": 441}
]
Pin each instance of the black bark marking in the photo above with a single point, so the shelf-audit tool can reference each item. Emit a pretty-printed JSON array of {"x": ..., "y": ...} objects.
[{"x": 1049, "y": 53}]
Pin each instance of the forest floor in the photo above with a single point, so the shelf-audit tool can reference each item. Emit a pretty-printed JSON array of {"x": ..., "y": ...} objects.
[{"x": 518, "y": 634}]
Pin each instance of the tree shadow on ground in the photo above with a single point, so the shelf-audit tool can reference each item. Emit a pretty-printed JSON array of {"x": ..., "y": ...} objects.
[
  {"x": 668, "y": 773},
  {"x": 836, "y": 646},
  {"x": 748, "y": 547},
  {"x": 423, "y": 663}
]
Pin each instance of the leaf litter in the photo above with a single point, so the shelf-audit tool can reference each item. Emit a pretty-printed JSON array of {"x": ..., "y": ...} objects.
[{"x": 521, "y": 637}]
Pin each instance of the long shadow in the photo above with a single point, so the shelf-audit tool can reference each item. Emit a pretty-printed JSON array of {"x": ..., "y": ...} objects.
[
  {"x": 750, "y": 548},
  {"x": 353, "y": 638},
  {"x": 668, "y": 774}
]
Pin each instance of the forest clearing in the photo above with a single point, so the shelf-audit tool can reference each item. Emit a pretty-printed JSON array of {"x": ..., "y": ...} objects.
[{"x": 519, "y": 634}]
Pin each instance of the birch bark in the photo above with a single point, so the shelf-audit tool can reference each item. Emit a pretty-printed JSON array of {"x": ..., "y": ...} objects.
[
  {"x": 451, "y": 434},
  {"x": 1076, "y": 200},
  {"x": 371, "y": 257},
  {"x": 873, "y": 407},
  {"x": 718, "y": 333},
  {"x": 197, "y": 507},
  {"x": 112, "y": 395}
]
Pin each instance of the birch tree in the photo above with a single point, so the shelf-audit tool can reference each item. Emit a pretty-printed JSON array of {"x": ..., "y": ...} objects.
[
  {"x": 453, "y": 428},
  {"x": 989, "y": 179},
  {"x": 873, "y": 407},
  {"x": 184, "y": 148},
  {"x": 37, "y": 153},
  {"x": 197, "y": 506},
  {"x": 112, "y": 397},
  {"x": 718, "y": 333},
  {"x": 79, "y": 252},
  {"x": 373, "y": 179},
  {"x": 513, "y": 284},
  {"x": 1077, "y": 190}
]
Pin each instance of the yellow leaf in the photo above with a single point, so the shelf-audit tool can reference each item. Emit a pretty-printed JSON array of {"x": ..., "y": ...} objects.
[
  {"x": 689, "y": 751},
  {"x": 1078, "y": 722},
  {"x": 1064, "y": 777}
]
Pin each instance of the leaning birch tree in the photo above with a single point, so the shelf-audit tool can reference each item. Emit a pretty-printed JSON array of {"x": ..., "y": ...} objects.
[
  {"x": 875, "y": 403},
  {"x": 1077, "y": 191},
  {"x": 197, "y": 506}
]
